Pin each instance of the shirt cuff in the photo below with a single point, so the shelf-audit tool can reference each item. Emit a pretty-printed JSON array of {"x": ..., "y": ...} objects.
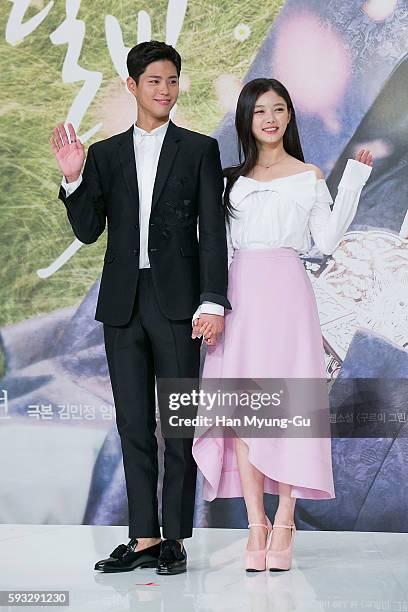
[
  {"x": 70, "y": 187},
  {"x": 355, "y": 175},
  {"x": 196, "y": 315},
  {"x": 211, "y": 308}
]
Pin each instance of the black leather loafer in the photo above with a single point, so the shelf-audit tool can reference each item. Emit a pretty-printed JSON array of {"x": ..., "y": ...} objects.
[
  {"x": 115, "y": 554},
  {"x": 172, "y": 559},
  {"x": 125, "y": 559}
]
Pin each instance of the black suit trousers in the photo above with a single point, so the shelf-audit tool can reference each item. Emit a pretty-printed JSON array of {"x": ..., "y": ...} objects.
[{"x": 148, "y": 346}]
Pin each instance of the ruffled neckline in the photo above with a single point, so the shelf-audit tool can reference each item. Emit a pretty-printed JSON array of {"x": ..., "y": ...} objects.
[
  {"x": 301, "y": 187},
  {"x": 280, "y": 178}
]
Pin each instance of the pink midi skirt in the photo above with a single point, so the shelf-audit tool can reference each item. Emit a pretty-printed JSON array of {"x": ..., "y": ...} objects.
[{"x": 272, "y": 331}]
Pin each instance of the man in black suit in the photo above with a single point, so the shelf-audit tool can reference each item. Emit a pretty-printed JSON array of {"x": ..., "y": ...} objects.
[{"x": 151, "y": 183}]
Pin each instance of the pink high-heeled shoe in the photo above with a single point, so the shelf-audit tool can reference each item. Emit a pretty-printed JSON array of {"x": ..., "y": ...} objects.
[
  {"x": 281, "y": 560},
  {"x": 255, "y": 560}
]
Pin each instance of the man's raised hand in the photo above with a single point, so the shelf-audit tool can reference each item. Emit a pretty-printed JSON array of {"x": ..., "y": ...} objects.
[{"x": 69, "y": 155}]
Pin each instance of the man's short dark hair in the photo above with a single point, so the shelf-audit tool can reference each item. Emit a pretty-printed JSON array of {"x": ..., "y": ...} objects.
[{"x": 143, "y": 54}]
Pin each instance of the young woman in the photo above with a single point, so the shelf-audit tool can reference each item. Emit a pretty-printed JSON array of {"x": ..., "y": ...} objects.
[{"x": 275, "y": 203}]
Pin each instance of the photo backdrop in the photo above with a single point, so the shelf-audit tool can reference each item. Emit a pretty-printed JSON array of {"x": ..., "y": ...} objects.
[{"x": 346, "y": 67}]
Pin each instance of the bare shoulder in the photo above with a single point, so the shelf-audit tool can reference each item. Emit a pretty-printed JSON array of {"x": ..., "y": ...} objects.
[
  {"x": 316, "y": 169},
  {"x": 300, "y": 166}
]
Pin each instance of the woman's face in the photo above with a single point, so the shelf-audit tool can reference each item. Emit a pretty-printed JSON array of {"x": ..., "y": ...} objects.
[{"x": 270, "y": 119}]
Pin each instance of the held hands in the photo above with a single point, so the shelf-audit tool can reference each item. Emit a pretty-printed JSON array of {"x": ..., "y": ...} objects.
[
  {"x": 208, "y": 326},
  {"x": 69, "y": 155},
  {"x": 365, "y": 157}
]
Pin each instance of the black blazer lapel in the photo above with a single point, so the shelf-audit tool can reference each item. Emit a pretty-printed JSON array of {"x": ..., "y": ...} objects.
[
  {"x": 169, "y": 150},
  {"x": 128, "y": 163}
]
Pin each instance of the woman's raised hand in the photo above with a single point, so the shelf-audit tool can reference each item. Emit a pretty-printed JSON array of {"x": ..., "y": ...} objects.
[
  {"x": 69, "y": 155},
  {"x": 365, "y": 157}
]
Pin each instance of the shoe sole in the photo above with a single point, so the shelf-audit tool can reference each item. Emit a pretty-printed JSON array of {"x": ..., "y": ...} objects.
[
  {"x": 140, "y": 565},
  {"x": 170, "y": 573}
]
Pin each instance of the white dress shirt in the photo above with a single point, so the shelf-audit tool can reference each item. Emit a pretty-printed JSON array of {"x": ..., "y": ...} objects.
[{"x": 147, "y": 147}]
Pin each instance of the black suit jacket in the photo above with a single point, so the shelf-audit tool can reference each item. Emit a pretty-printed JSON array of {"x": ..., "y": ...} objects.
[{"x": 188, "y": 185}]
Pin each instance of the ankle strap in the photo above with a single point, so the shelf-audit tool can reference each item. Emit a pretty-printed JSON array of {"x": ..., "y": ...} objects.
[
  {"x": 286, "y": 526},
  {"x": 258, "y": 525}
]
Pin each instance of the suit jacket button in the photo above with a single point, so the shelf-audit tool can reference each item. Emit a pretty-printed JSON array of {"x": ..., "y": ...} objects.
[
  {"x": 136, "y": 226},
  {"x": 135, "y": 251},
  {"x": 153, "y": 250}
]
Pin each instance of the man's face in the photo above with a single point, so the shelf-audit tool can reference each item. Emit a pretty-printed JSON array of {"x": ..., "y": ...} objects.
[{"x": 157, "y": 90}]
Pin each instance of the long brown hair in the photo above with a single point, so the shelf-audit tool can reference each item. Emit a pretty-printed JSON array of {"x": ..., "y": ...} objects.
[{"x": 247, "y": 147}]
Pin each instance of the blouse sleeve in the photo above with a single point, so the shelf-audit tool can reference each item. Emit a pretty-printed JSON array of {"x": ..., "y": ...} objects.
[
  {"x": 230, "y": 248},
  {"x": 328, "y": 226},
  {"x": 229, "y": 244}
]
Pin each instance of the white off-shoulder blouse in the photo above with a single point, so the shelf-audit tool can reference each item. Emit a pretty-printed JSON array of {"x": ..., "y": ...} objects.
[{"x": 290, "y": 211}]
